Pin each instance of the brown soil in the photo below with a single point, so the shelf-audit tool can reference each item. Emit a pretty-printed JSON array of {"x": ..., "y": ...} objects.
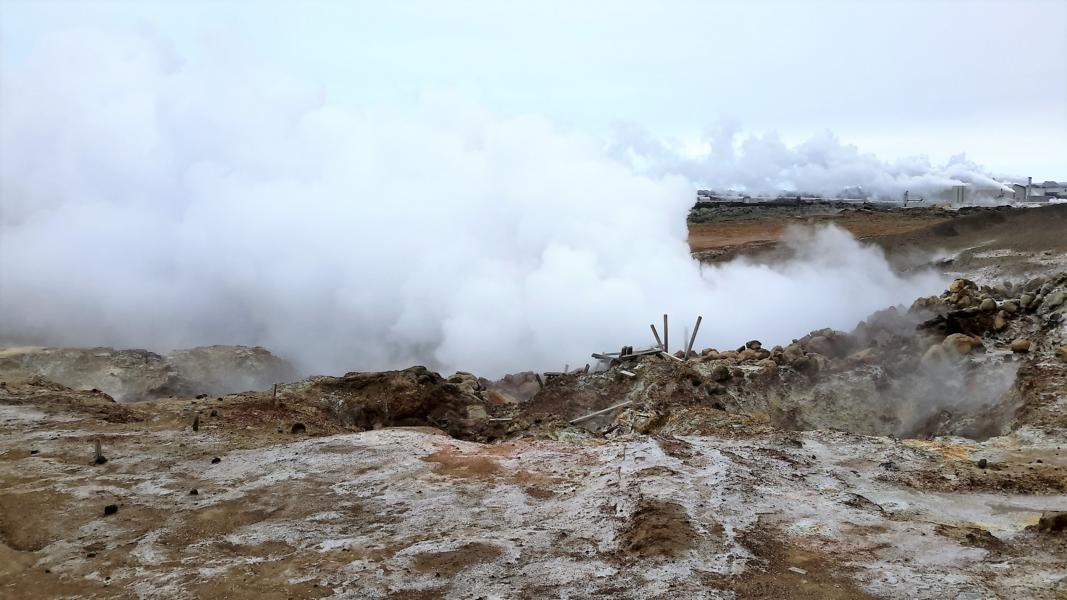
[
  {"x": 453, "y": 561},
  {"x": 735, "y": 234},
  {"x": 909, "y": 237},
  {"x": 28, "y": 521},
  {"x": 459, "y": 465},
  {"x": 772, "y": 578},
  {"x": 657, "y": 529}
]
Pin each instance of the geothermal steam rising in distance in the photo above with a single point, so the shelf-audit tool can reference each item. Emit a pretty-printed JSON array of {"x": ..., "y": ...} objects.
[
  {"x": 149, "y": 202},
  {"x": 764, "y": 165}
]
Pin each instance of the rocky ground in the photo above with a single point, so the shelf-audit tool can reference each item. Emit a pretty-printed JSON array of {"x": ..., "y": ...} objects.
[{"x": 921, "y": 455}]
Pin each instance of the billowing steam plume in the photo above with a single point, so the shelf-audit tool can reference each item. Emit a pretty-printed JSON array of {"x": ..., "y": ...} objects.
[
  {"x": 151, "y": 201},
  {"x": 765, "y": 165}
]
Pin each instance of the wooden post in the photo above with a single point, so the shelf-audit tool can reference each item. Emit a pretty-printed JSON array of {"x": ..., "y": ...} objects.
[
  {"x": 586, "y": 368},
  {"x": 196, "y": 422},
  {"x": 655, "y": 334},
  {"x": 98, "y": 453},
  {"x": 274, "y": 397},
  {"x": 540, "y": 382},
  {"x": 693, "y": 339},
  {"x": 666, "y": 335}
]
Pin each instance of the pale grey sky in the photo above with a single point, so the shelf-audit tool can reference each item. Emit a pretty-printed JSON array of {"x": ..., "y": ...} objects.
[{"x": 895, "y": 78}]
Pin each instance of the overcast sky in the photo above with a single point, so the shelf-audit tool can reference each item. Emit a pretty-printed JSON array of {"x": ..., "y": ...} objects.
[{"x": 895, "y": 78}]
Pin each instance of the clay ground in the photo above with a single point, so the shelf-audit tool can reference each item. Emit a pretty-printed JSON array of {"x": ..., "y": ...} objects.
[{"x": 412, "y": 513}]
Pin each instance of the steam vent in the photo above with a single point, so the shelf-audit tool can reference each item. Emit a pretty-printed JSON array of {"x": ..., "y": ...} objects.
[{"x": 519, "y": 301}]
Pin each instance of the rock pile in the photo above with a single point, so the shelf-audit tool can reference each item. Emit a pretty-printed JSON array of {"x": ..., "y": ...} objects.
[
  {"x": 943, "y": 366},
  {"x": 414, "y": 396}
]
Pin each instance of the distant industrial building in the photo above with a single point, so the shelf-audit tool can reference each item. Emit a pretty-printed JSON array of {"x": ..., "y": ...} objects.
[
  {"x": 990, "y": 192},
  {"x": 1039, "y": 192}
]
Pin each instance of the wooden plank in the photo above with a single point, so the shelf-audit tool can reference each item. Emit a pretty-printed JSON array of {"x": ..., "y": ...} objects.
[
  {"x": 600, "y": 412},
  {"x": 669, "y": 355},
  {"x": 666, "y": 335},
  {"x": 630, "y": 356}
]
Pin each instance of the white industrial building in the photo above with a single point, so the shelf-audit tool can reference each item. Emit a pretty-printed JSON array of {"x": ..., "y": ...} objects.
[{"x": 1039, "y": 192}]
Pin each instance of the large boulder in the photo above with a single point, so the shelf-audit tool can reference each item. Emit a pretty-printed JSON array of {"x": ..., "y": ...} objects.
[{"x": 961, "y": 343}]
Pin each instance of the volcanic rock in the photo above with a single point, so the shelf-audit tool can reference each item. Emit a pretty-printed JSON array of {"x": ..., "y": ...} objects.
[
  {"x": 1000, "y": 321},
  {"x": 412, "y": 397},
  {"x": 961, "y": 343},
  {"x": 720, "y": 373}
]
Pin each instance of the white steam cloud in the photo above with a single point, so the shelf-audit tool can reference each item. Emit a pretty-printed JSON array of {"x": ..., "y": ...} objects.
[
  {"x": 149, "y": 201},
  {"x": 765, "y": 165}
]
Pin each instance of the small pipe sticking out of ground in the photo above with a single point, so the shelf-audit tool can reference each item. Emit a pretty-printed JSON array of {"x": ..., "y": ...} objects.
[{"x": 98, "y": 453}]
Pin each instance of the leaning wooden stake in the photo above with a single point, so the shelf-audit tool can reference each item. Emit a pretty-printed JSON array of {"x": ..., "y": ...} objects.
[
  {"x": 600, "y": 412},
  {"x": 666, "y": 335},
  {"x": 586, "y": 368},
  {"x": 655, "y": 334},
  {"x": 540, "y": 382},
  {"x": 196, "y": 422},
  {"x": 693, "y": 339}
]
